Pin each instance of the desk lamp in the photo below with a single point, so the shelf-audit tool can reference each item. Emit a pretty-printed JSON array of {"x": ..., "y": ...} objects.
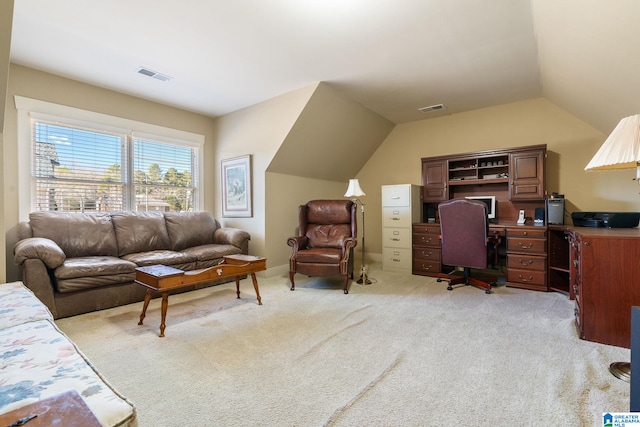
[
  {"x": 354, "y": 191},
  {"x": 621, "y": 150}
]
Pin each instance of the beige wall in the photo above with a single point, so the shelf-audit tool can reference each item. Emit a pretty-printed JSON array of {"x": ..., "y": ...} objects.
[
  {"x": 259, "y": 131},
  {"x": 47, "y": 87},
  {"x": 263, "y": 129},
  {"x": 286, "y": 193},
  {"x": 571, "y": 144},
  {"x": 6, "y": 20}
]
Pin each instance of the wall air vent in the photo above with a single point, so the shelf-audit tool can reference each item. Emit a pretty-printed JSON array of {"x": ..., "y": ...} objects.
[
  {"x": 150, "y": 73},
  {"x": 430, "y": 108}
]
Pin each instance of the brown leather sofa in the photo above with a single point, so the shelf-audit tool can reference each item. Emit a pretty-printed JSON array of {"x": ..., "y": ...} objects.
[{"x": 81, "y": 262}]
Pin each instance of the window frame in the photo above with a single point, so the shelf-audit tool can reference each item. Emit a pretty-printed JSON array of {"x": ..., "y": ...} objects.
[{"x": 29, "y": 109}]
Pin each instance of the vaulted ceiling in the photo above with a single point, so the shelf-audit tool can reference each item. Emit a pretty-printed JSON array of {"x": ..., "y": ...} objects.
[{"x": 391, "y": 56}]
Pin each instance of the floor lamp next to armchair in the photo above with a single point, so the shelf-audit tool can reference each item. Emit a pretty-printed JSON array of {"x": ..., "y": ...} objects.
[{"x": 354, "y": 191}]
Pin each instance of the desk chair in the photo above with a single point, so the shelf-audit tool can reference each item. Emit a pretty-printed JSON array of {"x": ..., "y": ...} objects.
[{"x": 466, "y": 242}]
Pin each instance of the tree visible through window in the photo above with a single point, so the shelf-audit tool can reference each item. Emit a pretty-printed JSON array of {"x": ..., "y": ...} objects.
[{"x": 80, "y": 169}]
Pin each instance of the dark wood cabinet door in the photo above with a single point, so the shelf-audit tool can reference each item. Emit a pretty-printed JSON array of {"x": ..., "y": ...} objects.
[
  {"x": 434, "y": 181},
  {"x": 609, "y": 286},
  {"x": 527, "y": 175}
]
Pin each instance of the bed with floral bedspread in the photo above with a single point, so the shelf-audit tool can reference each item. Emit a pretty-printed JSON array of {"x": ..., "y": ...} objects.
[{"x": 37, "y": 361}]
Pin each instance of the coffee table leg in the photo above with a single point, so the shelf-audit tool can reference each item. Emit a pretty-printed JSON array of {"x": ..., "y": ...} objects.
[
  {"x": 255, "y": 286},
  {"x": 165, "y": 304},
  {"x": 147, "y": 298},
  {"x": 238, "y": 286}
]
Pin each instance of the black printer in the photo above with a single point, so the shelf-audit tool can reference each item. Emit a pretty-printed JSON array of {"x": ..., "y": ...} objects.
[{"x": 606, "y": 219}]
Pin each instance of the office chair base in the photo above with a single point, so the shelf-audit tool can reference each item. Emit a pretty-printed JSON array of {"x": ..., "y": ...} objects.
[
  {"x": 453, "y": 280},
  {"x": 621, "y": 370}
]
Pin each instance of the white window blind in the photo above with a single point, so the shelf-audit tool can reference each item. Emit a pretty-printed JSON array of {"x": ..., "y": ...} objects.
[{"x": 83, "y": 169}]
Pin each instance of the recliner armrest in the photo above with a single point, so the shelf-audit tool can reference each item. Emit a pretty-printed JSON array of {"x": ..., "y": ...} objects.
[
  {"x": 348, "y": 244},
  {"x": 297, "y": 242},
  {"x": 40, "y": 248}
]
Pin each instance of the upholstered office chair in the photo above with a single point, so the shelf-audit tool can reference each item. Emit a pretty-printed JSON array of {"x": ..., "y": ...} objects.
[
  {"x": 325, "y": 241},
  {"x": 466, "y": 242}
]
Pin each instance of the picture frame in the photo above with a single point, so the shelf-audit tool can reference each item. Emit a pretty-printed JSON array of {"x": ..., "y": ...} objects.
[{"x": 236, "y": 187}]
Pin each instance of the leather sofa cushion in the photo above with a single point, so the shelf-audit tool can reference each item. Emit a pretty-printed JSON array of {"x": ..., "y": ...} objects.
[
  {"x": 77, "y": 234},
  {"x": 209, "y": 252},
  {"x": 164, "y": 257},
  {"x": 93, "y": 266},
  {"x": 189, "y": 229},
  {"x": 140, "y": 232}
]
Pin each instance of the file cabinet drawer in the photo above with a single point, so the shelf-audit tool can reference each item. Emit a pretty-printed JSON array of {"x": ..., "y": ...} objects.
[
  {"x": 397, "y": 259},
  {"x": 396, "y": 216},
  {"x": 396, "y": 237},
  {"x": 396, "y": 195}
]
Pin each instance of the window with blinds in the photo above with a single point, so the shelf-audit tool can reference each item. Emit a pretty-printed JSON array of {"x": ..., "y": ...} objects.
[{"x": 82, "y": 169}]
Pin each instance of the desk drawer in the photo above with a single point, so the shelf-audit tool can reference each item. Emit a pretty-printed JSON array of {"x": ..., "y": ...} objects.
[
  {"x": 527, "y": 278},
  {"x": 526, "y": 262},
  {"x": 526, "y": 245},
  {"x": 396, "y": 237},
  {"x": 426, "y": 254},
  {"x": 524, "y": 232},
  {"x": 426, "y": 267},
  {"x": 430, "y": 228},
  {"x": 426, "y": 240}
]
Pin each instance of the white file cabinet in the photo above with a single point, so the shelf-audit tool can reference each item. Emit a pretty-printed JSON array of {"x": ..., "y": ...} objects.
[{"x": 401, "y": 207}]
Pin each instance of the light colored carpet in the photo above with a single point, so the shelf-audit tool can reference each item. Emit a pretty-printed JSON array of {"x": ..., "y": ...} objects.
[{"x": 403, "y": 351}]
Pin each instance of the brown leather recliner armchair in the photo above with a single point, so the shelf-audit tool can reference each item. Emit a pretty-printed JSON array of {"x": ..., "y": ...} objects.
[{"x": 327, "y": 236}]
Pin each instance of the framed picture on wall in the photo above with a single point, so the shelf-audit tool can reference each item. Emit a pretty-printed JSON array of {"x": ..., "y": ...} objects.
[{"x": 236, "y": 187}]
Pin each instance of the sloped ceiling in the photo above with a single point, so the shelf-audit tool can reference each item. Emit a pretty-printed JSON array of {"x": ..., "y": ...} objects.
[
  {"x": 589, "y": 57},
  {"x": 391, "y": 57},
  {"x": 332, "y": 138}
]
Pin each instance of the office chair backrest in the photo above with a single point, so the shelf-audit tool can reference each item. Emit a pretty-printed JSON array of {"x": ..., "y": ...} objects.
[{"x": 463, "y": 229}]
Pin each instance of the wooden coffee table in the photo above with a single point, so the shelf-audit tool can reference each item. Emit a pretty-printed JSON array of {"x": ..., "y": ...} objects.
[{"x": 163, "y": 279}]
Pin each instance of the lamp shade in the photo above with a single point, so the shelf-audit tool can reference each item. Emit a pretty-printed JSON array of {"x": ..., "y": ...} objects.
[
  {"x": 354, "y": 189},
  {"x": 621, "y": 150}
]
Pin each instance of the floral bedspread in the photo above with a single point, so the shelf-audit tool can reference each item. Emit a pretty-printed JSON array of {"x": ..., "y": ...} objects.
[{"x": 37, "y": 361}]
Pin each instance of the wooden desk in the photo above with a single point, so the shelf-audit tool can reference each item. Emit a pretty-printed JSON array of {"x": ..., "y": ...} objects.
[
  {"x": 605, "y": 280},
  {"x": 525, "y": 247}
]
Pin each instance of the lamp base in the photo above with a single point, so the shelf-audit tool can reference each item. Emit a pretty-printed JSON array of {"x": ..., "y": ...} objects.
[
  {"x": 363, "y": 280},
  {"x": 621, "y": 370}
]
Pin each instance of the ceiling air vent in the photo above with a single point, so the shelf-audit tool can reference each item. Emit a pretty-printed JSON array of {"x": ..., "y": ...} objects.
[
  {"x": 430, "y": 108},
  {"x": 150, "y": 73}
]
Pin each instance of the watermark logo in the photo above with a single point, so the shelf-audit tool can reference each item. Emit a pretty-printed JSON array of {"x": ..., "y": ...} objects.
[{"x": 621, "y": 419}]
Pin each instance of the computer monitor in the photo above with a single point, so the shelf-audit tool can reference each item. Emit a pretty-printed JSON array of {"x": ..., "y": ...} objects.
[{"x": 490, "y": 201}]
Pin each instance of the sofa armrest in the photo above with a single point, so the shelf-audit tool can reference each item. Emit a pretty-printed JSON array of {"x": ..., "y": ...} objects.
[
  {"x": 40, "y": 248},
  {"x": 232, "y": 236}
]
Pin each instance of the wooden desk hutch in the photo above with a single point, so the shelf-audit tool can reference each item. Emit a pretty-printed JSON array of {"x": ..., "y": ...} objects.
[
  {"x": 516, "y": 177},
  {"x": 596, "y": 267}
]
